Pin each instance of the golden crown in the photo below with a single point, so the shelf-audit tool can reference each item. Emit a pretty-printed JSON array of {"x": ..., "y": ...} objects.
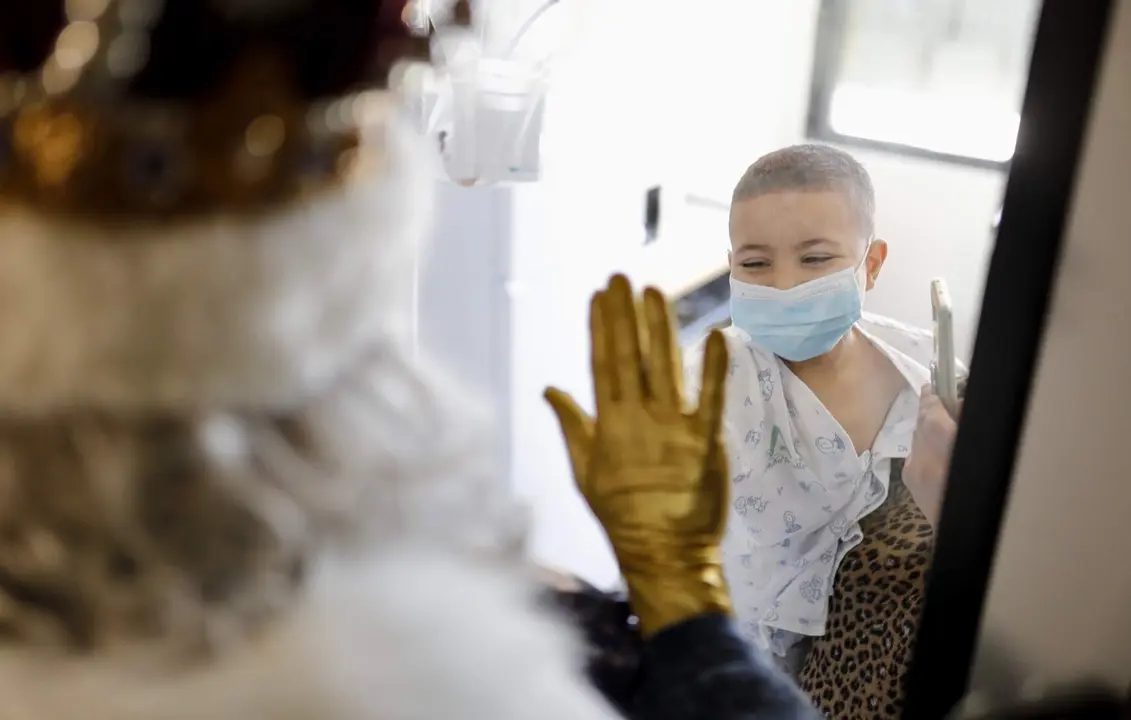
[{"x": 75, "y": 143}]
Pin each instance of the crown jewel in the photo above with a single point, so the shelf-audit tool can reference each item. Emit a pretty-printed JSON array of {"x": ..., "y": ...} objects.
[{"x": 76, "y": 142}]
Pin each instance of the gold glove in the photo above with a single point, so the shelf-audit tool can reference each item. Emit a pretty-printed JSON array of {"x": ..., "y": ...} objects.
[{"x": 654, "y": 474}]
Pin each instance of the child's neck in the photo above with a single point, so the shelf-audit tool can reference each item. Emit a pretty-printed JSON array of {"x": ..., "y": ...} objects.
[{"x": 844, "y": 356}]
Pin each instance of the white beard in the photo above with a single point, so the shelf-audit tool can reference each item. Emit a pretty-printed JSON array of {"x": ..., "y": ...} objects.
[
  {"x": 413, "y": 609},
  {"x": 414, "y": 636}
]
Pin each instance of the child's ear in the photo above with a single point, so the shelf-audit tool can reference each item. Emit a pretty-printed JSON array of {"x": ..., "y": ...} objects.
[{"x": 874, "y": 262}]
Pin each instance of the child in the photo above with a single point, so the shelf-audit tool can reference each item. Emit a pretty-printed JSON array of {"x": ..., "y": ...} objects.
[{"x": 822, "y": 397}]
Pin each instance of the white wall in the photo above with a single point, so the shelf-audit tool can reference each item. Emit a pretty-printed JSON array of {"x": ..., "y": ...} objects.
[
  {"x": 936, "y": 220},
  {"x": 658, "y": 94}
]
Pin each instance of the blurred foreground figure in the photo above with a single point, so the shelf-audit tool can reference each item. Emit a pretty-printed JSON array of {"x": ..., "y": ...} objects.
[{"x": 225, "y": 490}]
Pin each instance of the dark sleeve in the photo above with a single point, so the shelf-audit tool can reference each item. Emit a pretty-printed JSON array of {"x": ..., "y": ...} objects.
[
  {"x": 703, "y": 670},
  {"x": 614, "y": 646},
  {"x": 698, "y": 670}
]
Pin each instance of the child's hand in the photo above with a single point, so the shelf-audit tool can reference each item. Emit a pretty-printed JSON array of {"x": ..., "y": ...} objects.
[{"x": 926, "y": 469}]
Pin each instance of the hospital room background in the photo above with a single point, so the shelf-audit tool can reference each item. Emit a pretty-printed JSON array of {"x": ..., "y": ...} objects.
[{"x": 650, "y": 118}]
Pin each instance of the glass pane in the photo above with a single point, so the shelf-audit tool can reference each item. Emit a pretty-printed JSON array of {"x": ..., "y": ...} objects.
[{"x": 941, "y": 75}]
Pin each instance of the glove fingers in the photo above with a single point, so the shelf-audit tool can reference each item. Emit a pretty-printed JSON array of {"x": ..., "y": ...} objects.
[
  {"x": 665, "y": 365},
  {"x": 716, "y": 362},
  {"x": 577, "y": 428}
]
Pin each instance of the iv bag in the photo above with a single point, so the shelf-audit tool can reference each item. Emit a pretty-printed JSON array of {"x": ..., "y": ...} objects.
[
  {"x": 482, "y": 102},
  {"x": 495, "y": 123}
]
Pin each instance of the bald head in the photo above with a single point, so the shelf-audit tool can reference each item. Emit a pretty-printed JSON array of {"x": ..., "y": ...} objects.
[{"x": 812, "y": 168}]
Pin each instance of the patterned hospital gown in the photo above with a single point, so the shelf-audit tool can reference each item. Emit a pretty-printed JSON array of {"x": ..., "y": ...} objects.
[{"x": 799, "y": 488}]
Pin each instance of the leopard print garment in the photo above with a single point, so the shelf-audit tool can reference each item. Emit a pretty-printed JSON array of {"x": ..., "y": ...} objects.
[{"x": 856, "y": 669}]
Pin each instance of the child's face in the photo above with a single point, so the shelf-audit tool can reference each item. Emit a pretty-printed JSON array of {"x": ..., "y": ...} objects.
[{"x": 787, "y": 238}]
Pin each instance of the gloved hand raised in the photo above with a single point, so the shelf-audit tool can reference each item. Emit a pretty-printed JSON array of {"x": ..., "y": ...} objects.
[{"x": 654, "y": 474}]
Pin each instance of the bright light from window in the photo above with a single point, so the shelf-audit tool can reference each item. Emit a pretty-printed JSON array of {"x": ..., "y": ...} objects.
[{"x": 963, "y": 125}]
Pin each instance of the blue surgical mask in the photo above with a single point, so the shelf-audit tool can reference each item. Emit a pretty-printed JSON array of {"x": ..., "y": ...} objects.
[{"x": 802, "y": 322}]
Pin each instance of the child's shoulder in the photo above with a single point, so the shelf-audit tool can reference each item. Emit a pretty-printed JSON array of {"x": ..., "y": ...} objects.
[
  {"x": 914, "y": 342},
  {"x": 885, "y": 327}
]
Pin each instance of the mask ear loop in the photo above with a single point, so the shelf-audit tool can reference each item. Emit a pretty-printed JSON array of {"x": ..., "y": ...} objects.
[
  {"x": 867, "y": 248},
  {"x": 864, "y": 264}
]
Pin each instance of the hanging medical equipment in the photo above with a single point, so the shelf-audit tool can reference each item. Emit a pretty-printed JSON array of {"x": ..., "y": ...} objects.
[{"x": 482, "y": 100}]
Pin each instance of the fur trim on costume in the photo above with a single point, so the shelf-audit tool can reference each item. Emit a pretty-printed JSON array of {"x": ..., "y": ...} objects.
[{"x": 416, "y": 635}]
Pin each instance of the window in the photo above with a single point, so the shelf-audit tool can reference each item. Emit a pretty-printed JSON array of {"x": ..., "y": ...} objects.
[{"x": 935, "y": 78}]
